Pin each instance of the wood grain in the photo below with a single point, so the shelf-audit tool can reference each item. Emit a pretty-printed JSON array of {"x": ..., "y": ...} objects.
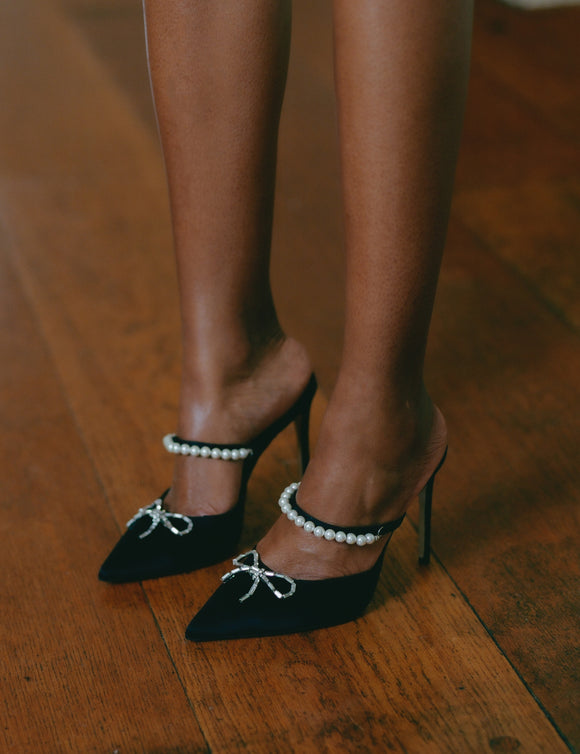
[
  {"x": 534, "y": 55},
  {"x": 84, "y": 667},
  {"x": 535, "y": 228},
  {"x": 508, "y": 517},
  {"x": 83, "y": 204}
]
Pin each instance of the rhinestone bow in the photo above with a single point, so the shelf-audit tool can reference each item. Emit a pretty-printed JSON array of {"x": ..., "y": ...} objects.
[
  {"x": 160, "y": 516},
  {"x": 258, "y": 573}
]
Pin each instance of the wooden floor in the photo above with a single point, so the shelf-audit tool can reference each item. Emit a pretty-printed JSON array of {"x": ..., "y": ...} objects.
[{"x": 478, "y": 653}]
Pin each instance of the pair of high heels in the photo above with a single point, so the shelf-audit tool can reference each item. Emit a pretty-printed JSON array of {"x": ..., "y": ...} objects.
[{"x": 254, "y": 600}]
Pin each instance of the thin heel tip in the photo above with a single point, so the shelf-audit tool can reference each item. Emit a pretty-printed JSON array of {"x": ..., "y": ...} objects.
[{"x": 424, "y": 559}]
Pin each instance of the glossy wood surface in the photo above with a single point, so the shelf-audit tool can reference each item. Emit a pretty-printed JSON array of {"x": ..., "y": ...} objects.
[{"x": 475, "y": 653}]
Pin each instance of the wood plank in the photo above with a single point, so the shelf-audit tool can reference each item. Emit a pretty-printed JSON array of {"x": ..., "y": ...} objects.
[
  {"x": 535, "y": 227},
  {"x": 92, "y": 241},
  {"x": 507, "y": 142},
  {"x": 84, "y": 667},
  {"x": 525, "y": 212},
  {"x": 508, "y": 516},
  {"x": 519, "y": 163},
  {"x": 536, "y": 56},
  {"x": 522, "y": 113}
]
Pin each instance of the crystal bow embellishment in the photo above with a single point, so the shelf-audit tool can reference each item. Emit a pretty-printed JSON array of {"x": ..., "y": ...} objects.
[
  {"x": 160, "y": 516},
  {"x": 258, "y": 573}
]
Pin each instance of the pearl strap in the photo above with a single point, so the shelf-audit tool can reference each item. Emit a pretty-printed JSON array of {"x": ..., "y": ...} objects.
[
  {"x": 355, "y": 535},
  {"x": 175, "y": 444},
  {"x": 259, "y": 573}
]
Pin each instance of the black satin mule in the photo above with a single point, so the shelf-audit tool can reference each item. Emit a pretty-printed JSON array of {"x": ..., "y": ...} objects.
[
  {"x": 254, "y": 600},
  {"x": 160, "y": 543}
]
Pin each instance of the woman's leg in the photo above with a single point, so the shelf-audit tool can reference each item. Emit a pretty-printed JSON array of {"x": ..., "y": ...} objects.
[
  {"x": 218, "y": 72},
  {"x": 401, "y": 72}
]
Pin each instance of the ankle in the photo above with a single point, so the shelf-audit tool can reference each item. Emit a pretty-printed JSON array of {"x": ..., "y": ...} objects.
[
  {"x": 372, "y": 458},
  {"x": 243, "y": 396},
  {"x": 212, "y": 363},
  {"x": 232, "y": 412},
  {"x": 382, "y": 417}
]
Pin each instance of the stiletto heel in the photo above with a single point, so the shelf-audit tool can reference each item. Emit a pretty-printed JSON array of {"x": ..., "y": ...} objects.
[
  {"x": 302, "y": 427},
  {"x": 425, "y": 506},
  {"x": 425, "y": 500},
  {"x": 160, "y": 543},
  {"x": 254, "y": 600}
]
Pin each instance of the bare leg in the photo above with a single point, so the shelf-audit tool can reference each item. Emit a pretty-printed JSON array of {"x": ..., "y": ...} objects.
[
  {"x": 218, "y": 72},
  {"x": 401, "y": 71}
]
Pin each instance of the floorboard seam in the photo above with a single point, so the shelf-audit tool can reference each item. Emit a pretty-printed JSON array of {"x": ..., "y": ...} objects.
[
  {"x": 520, "y": 276},
  {"x": 20, "y": 274},
  {"x": 175, "y": 668},
  {"x": 517, "y": 97},
  {"x": 482, "y": 623},
  {"x": 12, "y": 260}
]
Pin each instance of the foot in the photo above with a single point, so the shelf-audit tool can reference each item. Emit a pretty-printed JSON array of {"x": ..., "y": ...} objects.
[
  {"x": 232, "y": 413},
  {"x": 368, "y": 467}
]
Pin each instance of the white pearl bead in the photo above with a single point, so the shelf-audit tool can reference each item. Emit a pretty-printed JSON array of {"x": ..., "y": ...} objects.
[
  {"x": 235, "y": 455},
  {"x": 244, "y": 452},
  {"x": 194, "y": 450},
  {"x": 168, "y": 441},
  {"x": 340, "y": 536},
  {"x": 294, "y": 486},
  {"x": 350, "y": 538},
  {"x": 226, "y": 454},
  {"x": 309, "y": 526},
  {"x": 299, "y": 520},
  {"x": 292, "y": 514},
  {"x": 318, "y": 531},
  {"x": 216, "y": 453},
  {"x": 329, "y": 534},
  {"x": 205, "y": 452},
  {"x": 370, "y": 538},
  {"x": 285, "y": 507},
  {"x": 361, "y": 540},
  {"x": 184, "y": 450}
]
